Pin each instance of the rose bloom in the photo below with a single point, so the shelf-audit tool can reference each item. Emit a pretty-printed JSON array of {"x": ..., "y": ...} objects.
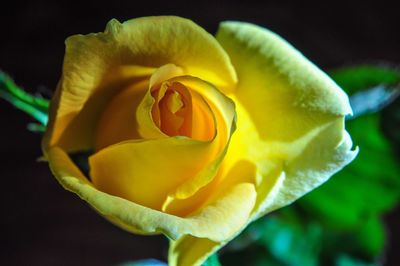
[{"x": 190, "y": 135}]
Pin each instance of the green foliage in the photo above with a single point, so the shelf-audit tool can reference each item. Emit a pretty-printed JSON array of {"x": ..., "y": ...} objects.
[
  {"x": 35, "y": 106},
  {"x": 276, "y": 240},
  {"x": 356, "y": 197},
  {"x": 212, "y": 261},
  {"x": 358, "y": 78},
  {"x": 368, "y": 186},
  {"x": 148, "y": 262},
  {"x": 352, "y": 202},
  {"x": 284, "y": 239}
]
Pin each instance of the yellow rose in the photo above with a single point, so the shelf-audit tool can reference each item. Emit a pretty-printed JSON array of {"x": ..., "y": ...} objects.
[{"x": 191, "y": 135}]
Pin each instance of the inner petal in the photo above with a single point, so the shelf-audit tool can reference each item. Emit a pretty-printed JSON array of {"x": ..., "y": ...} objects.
[
  {"x": 118, "y": 121},
  {"x": 179, "y": 111},
  {"x": 170, "y": 121},
  {"x": 184, "y": 165}
]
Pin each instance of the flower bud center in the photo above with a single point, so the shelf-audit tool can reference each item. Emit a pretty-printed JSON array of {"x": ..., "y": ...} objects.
[
  {"x": 173, "y": 109},
  {"x": 173, "y": 101},
  {"x": 179, "y": 111}
]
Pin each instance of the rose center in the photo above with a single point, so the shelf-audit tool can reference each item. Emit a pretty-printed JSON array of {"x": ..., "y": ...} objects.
[
  {"x": 178, "y": 111},
  {"x": 172, "y": 109}
]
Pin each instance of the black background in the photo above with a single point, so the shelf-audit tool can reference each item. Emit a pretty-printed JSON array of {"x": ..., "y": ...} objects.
[{"x": 41, "y": 223}]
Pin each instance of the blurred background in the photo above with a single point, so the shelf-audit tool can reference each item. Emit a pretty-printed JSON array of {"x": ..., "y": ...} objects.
[{"x": 44, "y": 225}]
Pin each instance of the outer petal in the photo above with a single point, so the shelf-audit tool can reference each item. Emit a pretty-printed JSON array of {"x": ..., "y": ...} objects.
[
  {"x": 118, "y": 121},
  {"x": 290, "y": 115},
  {"x": 191, "y": 250},
  {"x": 219, "y": 220},
  {"x": 96, "y": 66},
  {"x": 327, "y": 153},
  {"x": 145, "y": 172},
  {"x": 284, "y": 93},
  {"x": 156, "y": 41}
]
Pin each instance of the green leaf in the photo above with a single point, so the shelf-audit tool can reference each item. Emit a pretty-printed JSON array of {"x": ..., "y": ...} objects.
[
  {"x": 8, "y": 85},
  {"x": 147, "y": 262},
  {"x": 352, "y": 202},
  {"x": 390, "y": 121},
  {"x": 358, "y": 78},
  {"x": 368, "y": 186},
  {"x": 371, "y": 184},
  {"x": 346, "y": 260},
  {"x": 290, "y": 243},
  {"x": 290, "y": 240},
  {"x": 371, "y": 87},
  {"x": 37, "y": 128},
  {"x": 212, "y": 261},
  {"x": 280, "y": 240},
  {"x": 370, "y": 236},
  {"x": 35, "y": 106}
]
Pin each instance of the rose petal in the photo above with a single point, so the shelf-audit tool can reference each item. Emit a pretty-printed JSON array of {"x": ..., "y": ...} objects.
[
  {"x": 97, "y": 66},
  {"x": 286, "y": 108},
  {"x": 145, "y": 171},
  {"x": 217, "y": 221},
  {"x": 327, "y": 153},
  {"x": 118, "y": 121},
  {"x": 273, "y": 74},
  {"x": 189, "y": 250},
  {"x": 79, "y": 102},
  {"x": 152, "y": 171}
]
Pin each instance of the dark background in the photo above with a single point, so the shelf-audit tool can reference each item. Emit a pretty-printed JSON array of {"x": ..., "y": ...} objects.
[{"x": 41, "y": 223}]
